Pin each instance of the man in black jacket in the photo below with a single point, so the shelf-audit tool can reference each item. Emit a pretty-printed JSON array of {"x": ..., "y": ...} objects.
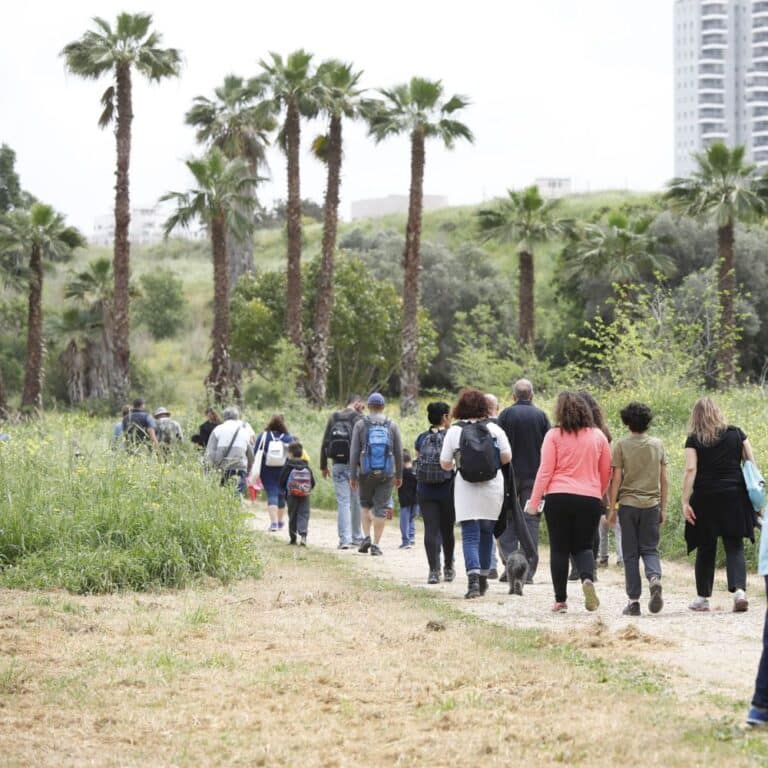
[{"x": 525, "y": 425}]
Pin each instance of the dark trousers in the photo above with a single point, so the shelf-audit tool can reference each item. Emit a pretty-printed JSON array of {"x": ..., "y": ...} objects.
[
  {"x": 572, "y": 521},
  {"x": 760, "y": 699},
  {"x": 639, "y": 539},
  {"x": 735, "y": 565},
  {"x": 298, "y": 515},
  {"x": 439, "y": 518},
  {"x": 510, "y": 541},
  {"x": 240, "y": 474}
]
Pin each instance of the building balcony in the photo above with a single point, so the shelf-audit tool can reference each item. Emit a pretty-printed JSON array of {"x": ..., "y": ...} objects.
[
  {"x": 712, "y": 56},
  {"x": 712, "y": 98},
  {"x": 755, "y": 83}
]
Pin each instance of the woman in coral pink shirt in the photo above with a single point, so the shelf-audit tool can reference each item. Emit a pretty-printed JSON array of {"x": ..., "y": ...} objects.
[{"x": 572, "y": 478}]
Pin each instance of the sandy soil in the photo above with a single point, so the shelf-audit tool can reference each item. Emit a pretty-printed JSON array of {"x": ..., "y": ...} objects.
[{"x": 696, "y": 651}]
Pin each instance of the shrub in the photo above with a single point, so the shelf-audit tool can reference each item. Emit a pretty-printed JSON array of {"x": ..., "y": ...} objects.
[
  {"x": 162, "y": 305},
  {"x": 103, "y": 522}
]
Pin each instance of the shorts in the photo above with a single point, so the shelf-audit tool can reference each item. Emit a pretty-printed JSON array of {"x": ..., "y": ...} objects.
[
  {"x": 275, "y": 498},
  {"x": 376, "y": 494}
]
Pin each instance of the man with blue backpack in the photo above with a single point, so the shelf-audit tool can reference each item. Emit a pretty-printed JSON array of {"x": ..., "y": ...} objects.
[{"x": 376, "y": 466}]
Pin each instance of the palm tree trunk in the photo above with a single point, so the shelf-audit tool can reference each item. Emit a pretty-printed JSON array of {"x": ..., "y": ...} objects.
[
  {"x": 120, "y": 379},
  {"x": 293, "y": 226},
  {"x": 525, "y": 298},
  {"x": 218, "y": 379},
  {"x": 409, "y": 367},
  {"x": 33, "y": 376},
  {"x": 317, "y": 353},
  {"x": 72, "y": 361},
  {"x": 726, "y": 285}
]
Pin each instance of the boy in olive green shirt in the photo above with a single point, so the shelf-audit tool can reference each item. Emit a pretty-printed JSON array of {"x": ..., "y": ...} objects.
[{"x": 639, "y": 486}]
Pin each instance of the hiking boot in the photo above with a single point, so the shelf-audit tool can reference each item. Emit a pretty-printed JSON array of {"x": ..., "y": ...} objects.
[
  {"x": 272, "y": 527},
  {"x": 376, "y": 550},
  {"x": 404, "y": 545},
  {"x": 473, "y": 586},
  {"x": 434, "y": 577},
  {"x": 292, "y": 540},
  {"x": 700, "y": 605},
  {"x": 560, "y": 608},
  {"x": 483, "y": 582},
  {"x": 757, "y": 717},
  {"x": 365, "y": 545},
  {"x": 740, "y": 602},
  {"x": 493, "y": 574},
  {"x": 448, "y": 573},
  {"x": 591, "y": 600},
  {"x": 656, "y": 603},
  {"x": 632, "y": 609}
]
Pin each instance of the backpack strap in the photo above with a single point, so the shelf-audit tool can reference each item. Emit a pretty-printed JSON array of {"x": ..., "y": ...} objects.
[{"x": 229, "y": 447}]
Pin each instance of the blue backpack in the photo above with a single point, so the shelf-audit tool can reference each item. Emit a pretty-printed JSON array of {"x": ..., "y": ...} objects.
[{"x": 377, "y": 458}]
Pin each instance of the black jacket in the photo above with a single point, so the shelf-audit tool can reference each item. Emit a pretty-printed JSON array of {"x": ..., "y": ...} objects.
[{"x": 525, "y": 425}]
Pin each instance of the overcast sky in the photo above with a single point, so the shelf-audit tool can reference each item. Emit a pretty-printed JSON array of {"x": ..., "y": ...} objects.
[{"x": 577, "y": 88}]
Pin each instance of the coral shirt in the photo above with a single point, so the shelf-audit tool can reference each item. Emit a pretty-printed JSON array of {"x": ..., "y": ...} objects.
[{"x": 573, "y": 462}]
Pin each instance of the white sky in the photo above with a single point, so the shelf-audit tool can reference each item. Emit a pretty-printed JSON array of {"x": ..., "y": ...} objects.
[{"x": 578, "y": 88}]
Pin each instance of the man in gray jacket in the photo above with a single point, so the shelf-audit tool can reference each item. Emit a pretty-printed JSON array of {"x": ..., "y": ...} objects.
[
  {"x": 230, "y": 448},
  {"x": 376, "y": 467}
]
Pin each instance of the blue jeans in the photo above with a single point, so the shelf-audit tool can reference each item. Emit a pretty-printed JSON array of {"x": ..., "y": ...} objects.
[
  {"x": 760, "y": 699},
  {"x": 408, "y": 523},
  {"x": 348, "y": 505},
  {"x": 477, "y": 542}
]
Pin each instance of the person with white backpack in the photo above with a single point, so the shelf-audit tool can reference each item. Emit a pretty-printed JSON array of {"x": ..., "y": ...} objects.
[{"x": 271, "y": 456}]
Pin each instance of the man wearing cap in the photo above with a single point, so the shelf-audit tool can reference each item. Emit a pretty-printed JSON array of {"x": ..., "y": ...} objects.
[
  {"x": 168, "y": 431},
  {"x": 376, "y": 466},
  {"x": 138, "y": 426},
  {"x": 336, "y": 445}
]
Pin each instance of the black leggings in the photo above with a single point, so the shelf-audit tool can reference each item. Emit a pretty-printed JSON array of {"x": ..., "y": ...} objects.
[
  {"x": 572, "y": 521},
  {"x": 735, "y": 565},
  {"x": 439, "y": 518}
]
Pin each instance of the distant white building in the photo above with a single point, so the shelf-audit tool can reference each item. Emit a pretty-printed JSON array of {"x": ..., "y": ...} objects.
[
  {"x": 146, "y": 227},
  {"x": 553, "y": 187},
  {"x": 384, "y": 206}
]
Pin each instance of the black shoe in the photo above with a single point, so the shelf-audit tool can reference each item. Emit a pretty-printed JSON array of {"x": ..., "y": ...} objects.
[
  {"x": 376, "y": 550},
  {"x": 483, "y": 584},
  {"x": 573, "y": 575},
  {"x": 633, "y": 609},
  {"x": 434, "y": 577},
  {"x": 365, "y": 545},
  {"x": 448, "y": 573},
  {"x": 493, "y": 574},
  {"x": 656, "y": 603},
  {"x": 473, "y": 590},
  {"x": 503, "y": 577},
  {"x": 293, "y": 540}
]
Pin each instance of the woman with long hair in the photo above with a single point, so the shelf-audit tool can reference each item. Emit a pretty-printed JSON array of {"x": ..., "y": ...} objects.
[
  {"x": 715, "y": 501},
  {"x": 572, "y": 480},
  {"x": 478, "y": 448}
]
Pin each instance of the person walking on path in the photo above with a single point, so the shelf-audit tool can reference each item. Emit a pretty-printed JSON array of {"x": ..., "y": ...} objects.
[
  {"x": 493, "y": 415},
  {"x": 230, "y": 448},
  {"x": 138, "y": 426},
  {"x": 376, "y": 464},
  {"x": 434, "y": 491},
  {"x": 409, "y": 507},
  {"x": 478, "y": 449},
  {"x": 715, "y": 502},
  {"x": 272, "y": 445},
  {"x": 336, "y": 444},
  {"x": 212, "y": 420},
  {"x": 525, "y": 426},
  {"x": 572, "y": 479},
  {"x": 639, "y": 487},
  {"x": 296, "y": 482}
]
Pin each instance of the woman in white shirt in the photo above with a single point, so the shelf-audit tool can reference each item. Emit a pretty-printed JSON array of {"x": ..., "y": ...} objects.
[{"x": 478, "y": 448}]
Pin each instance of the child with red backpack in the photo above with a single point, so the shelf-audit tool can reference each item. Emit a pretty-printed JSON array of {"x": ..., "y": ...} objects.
[{"x": 297, "y": 482}]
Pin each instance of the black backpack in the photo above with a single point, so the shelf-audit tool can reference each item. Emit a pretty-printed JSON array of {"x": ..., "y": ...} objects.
[
  {"x": 478, "y": 454},
  {"x": 428, "y": 469},
  {"x": 340, "y": 440}
]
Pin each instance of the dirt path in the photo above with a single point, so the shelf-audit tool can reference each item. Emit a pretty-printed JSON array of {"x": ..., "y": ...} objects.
[{"x": 696, "y": 651}]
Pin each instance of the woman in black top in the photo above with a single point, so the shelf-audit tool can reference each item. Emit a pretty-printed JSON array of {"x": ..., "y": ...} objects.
[{"x": 715, "y": 501}]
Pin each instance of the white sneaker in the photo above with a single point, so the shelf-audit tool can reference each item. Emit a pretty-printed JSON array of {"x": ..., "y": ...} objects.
[
  {"x": 740, "y": 602},
  {"x": 700, "y": 604}
]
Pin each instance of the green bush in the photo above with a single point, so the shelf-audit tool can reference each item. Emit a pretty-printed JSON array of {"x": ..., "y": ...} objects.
[
  {"x": 102, "y": 521},
  {"x": 162, "y": 306}
]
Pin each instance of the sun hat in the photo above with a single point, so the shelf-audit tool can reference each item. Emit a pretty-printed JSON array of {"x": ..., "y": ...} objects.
[
  {"x": 376, "y": 398},
  {"x": 161, "y": 411}
]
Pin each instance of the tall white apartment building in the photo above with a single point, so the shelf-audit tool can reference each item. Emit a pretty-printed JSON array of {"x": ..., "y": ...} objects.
[{"x": 717, "y": 44}]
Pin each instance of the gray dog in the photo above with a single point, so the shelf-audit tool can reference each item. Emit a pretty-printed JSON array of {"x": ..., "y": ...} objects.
[{"x": 517, "y": 570}]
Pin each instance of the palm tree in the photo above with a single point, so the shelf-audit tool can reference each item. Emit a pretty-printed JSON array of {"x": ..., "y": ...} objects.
[
  {"x": 416, "y": 108},
  {"x": 621, "y": 250},
  {"x": 131, "y": 44},
  {"x": 293, "y": 90},
  {"x": 339, "y": 97},
  {"x": 37, "y": 234},
  {"x": 239, "y": 123},
  {"x": 722, "y": 190},
  {"x": 219, "y": 199},
  {"x": 525, "y": 220}
]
